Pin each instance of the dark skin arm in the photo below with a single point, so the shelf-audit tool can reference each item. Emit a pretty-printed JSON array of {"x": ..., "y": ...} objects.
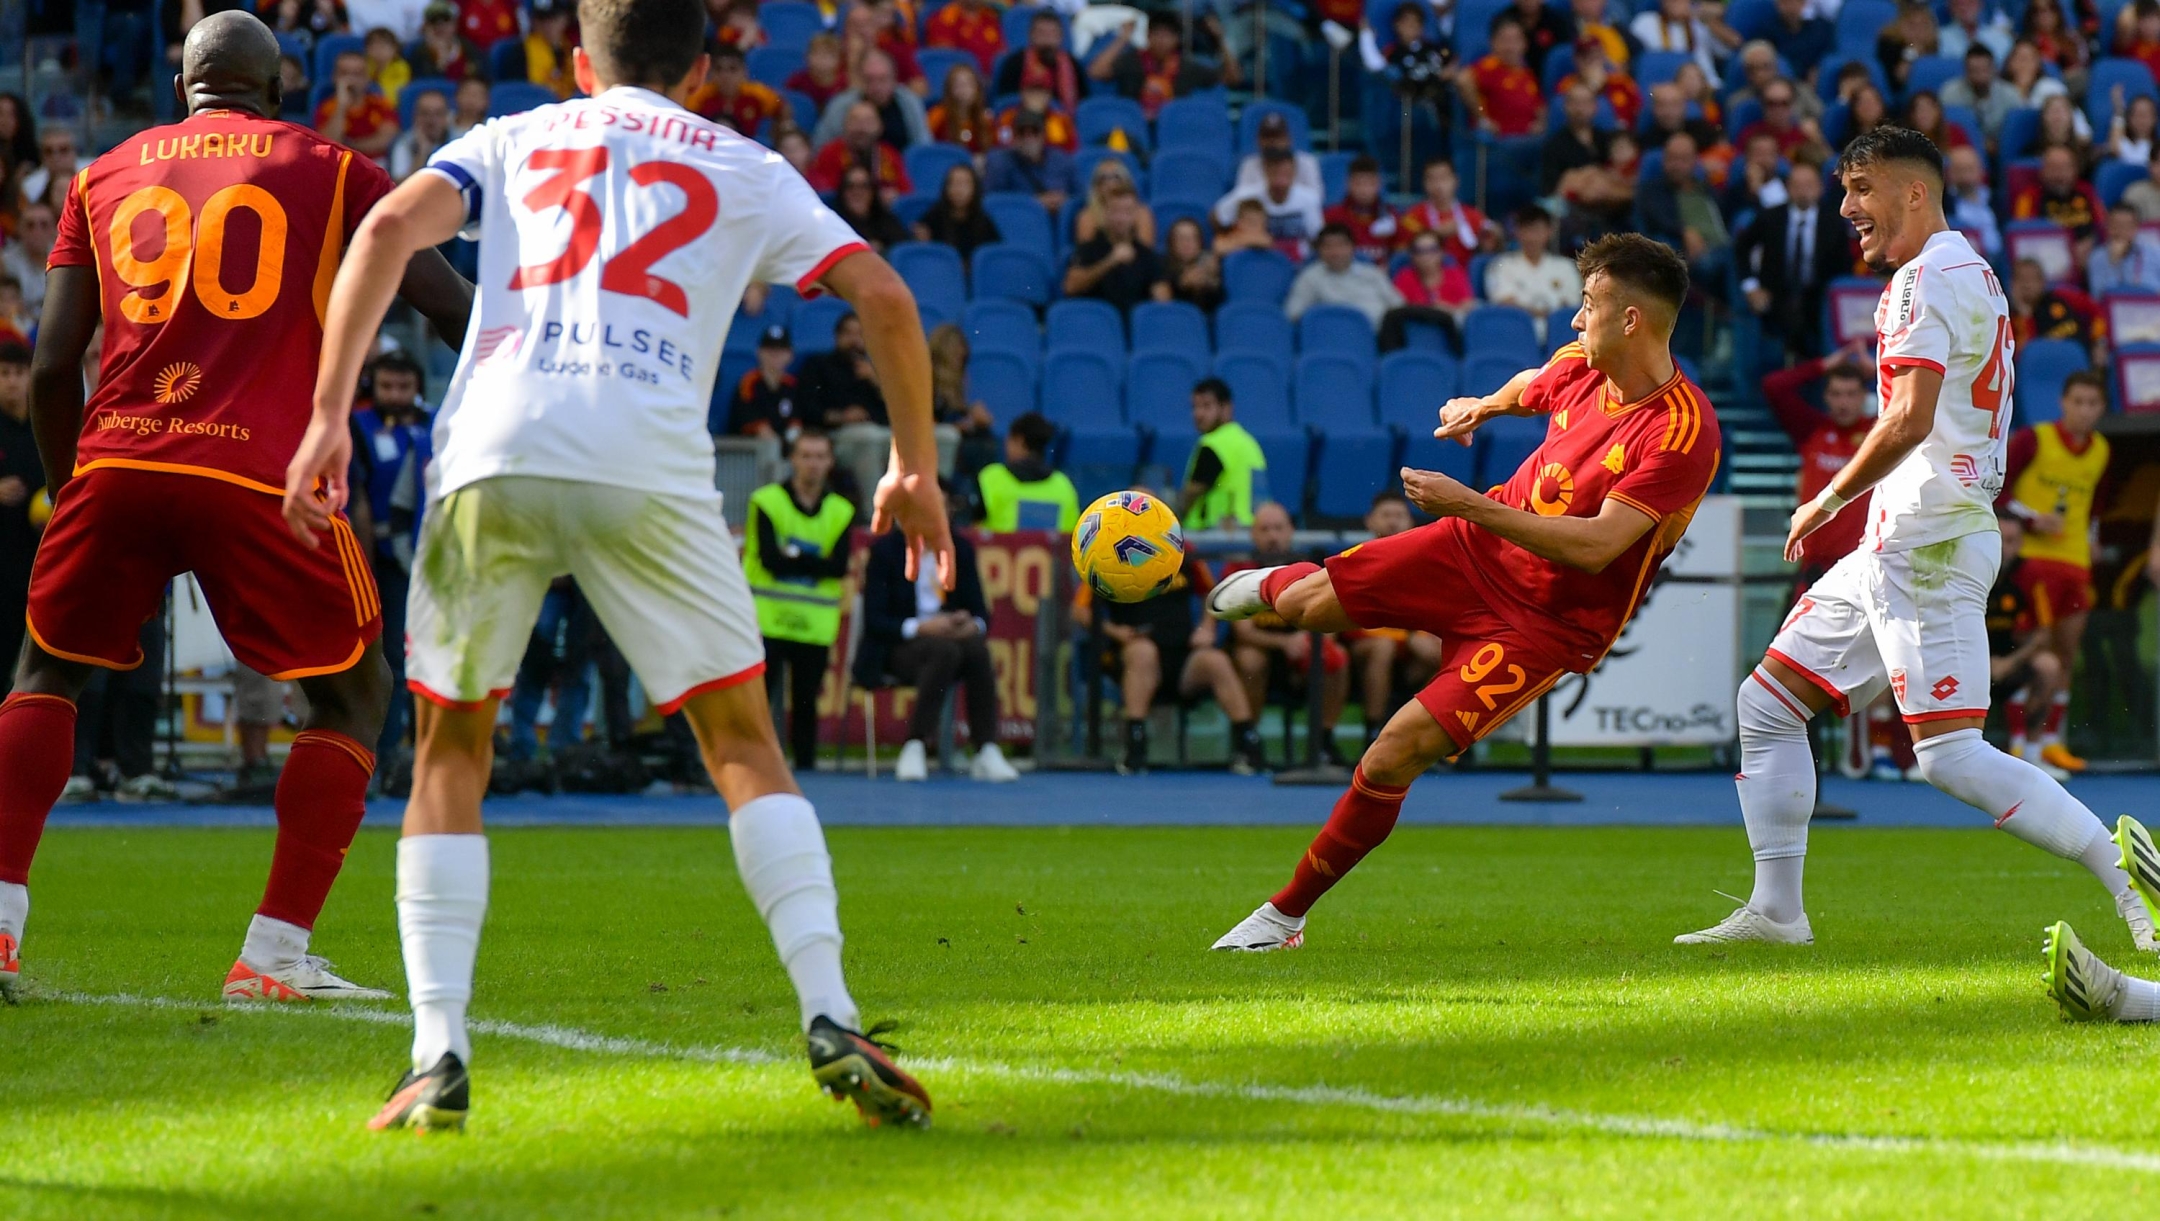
[
  {"x": 56, "y": 378},
  {"x": 442, "y": 296}
]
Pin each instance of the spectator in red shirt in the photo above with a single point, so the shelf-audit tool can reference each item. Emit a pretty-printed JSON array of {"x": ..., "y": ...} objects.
[
  {"x": 860, "y": 143},
  {"x": 352, "y": 115},
  {"x": 1058, "y": 128},
  {"x": 1501, "y": 88},
  {"x": 1826, "y": 439},
  {"x": 823, "y": 75},
  {"x": 968, "y": 25},
  {"x": 2063, "y": 197},
  {"x": 963, "y": 116},
  {"x": 1154, "y": 73},
  {"x": 1462, "y": 229},
  {"x": 487, "y": 22},
  {"x": 1435, "y": 289},
  {"x": 730, "y": 96},
  {"x": 1371, "y": 222},
  {"x": 1781, "y": 122},
  {"x": 1045, "y": 62},
  {"x": 1595, "y": 71},
  {"x": 870, "y": 28}
]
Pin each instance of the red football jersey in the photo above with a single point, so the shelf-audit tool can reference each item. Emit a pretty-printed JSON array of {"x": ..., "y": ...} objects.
[
  {"x": 1657, "y": 455},
  {"x": 215, "y": 241}
]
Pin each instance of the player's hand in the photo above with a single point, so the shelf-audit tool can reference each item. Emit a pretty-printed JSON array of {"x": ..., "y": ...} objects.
[
  {"x": 1806, "y": 520},
  {"x": 315, "y": 489},
  {"x": 1459, "y": 418},
  {"x": 911, "y": 501},
  {"x": 1436, "y": 493}
]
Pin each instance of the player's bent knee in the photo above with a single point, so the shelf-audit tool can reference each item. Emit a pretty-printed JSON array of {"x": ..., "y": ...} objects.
[
  {"x": 1766, "y": 710},
  {"x": 1407, "y": 747},
  {"x": 353, "y": 701}
]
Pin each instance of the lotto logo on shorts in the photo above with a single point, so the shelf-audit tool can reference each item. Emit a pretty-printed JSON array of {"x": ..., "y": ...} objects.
[
  {"x": 1897, "y": 684},
  {"x": 1964, "y": 469},
  {"x": 1942, "y": 690}
]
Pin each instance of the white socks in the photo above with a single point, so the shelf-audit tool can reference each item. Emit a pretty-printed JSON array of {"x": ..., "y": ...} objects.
[
  {"x": 14, "y": 906},
  {"x": 273, "y": 945},
  {"x": 1777, "y": 792},
  {"x": 2022, "y": 799},
  {"x": 780, "y": 850},
  {"x": 442, "y": 892},
  {"x": 2139, "y": 1001}
]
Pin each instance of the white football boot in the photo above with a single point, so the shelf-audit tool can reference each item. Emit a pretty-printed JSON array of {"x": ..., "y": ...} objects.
[
  {"x": 1237, "y": 596},
  {"x": 1747, "y": 924},
  {"x": 991, "y": 766},
  {"x": 914, "y": 763},
  {"x": 310, "y": 979},
  {"x": 1266, "y": 929}
]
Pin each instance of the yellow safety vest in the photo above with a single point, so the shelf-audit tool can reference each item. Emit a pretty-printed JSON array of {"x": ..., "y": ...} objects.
[
  {"x": 2058, "y": 481},
  {"x": 796, "y": 608}
]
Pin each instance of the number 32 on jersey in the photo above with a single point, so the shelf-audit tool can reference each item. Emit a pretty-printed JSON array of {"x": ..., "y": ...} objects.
[{"x": 629, "y": 271}]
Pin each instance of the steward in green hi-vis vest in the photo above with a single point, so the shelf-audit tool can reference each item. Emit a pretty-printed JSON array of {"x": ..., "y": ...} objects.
[
  {"x": 1024, "y": 496},
  {"x": 1229, "y": 498},
  {"x": 798, "y": 595}
]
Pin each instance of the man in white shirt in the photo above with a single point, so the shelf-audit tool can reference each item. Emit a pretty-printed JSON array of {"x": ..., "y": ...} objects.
[
  {"x": 1532, "y": 278},
  {"x": 1990, "y": 100},
  {"x": 1968, "y": 196},
  {"x": 1337, "y": 278},
  {"x": 2128, "y": 261},
  {"x": 24, "y": 258},
  {"x": 617, "y": 233},
  {"x": 1293, "y": 209},
  {"x": 1274, "y": 135},
  {"x": 57, "y": 162},
  {"x": 1968, "y": 27}
]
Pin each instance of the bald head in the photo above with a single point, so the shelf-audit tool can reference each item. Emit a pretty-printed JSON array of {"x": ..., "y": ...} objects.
[{"x": 230, "y": 61}]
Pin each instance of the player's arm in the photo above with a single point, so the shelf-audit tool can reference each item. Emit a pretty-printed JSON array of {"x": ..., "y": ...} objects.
[
  {"x": 56, "y": 369},
  {"x": 1587, "y": 543},
  {"x": 425, "y": 210},
  {"x": 908, "y": 495},
  {"x": 1462, "y": 417},
  {"x": 442, "y": 296},
  {"x": 1907, "y": 418}
]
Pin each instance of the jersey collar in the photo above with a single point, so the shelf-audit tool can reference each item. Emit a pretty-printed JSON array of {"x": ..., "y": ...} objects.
[
  {"x": 642, "y": 94},
  {"x": 1609, "y": 397}
]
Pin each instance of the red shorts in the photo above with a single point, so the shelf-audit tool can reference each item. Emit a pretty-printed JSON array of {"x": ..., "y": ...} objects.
[
  {"x": 2058, "y": 590},
  {"x": 1490, "y": 669},
  {"x": 118, "y": 537}
]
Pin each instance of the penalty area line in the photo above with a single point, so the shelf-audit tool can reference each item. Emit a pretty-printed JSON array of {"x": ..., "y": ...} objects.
[{"x": 1643, "y": 1127}]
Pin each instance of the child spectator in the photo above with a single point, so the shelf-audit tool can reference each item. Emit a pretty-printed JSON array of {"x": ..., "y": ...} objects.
[
  {"x": 386, "y": 64},
  {"x": 729, "y": 95},
  {"x": 962, "y": 116},
  {"x": 821, "y": 78},
  {"x": 1369, "y": 220}
]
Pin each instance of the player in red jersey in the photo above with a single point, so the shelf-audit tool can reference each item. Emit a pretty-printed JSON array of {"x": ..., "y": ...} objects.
[
  {"x": 1529, "y": 582},
  {"x": 207, "y": 249}
]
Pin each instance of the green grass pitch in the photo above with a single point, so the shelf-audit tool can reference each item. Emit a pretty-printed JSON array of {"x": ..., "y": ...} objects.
[{"x": 1484, "y": 1022}]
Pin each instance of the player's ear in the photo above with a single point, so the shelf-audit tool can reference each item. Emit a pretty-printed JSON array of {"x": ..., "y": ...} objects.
[
  {"x": 274, "y": 94},
  {"x": 179, "y": 90},
  {"x": 581, "y": 71},
  {"x": 694, "y": 77}
]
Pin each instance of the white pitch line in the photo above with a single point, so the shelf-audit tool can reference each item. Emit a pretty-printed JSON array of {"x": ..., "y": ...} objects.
[{"x": 1638, "y": 1126}]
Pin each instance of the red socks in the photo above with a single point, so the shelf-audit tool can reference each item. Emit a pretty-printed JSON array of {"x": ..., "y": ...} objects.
[
  {"x": 2014, "y": 717},
  {"x": 1272, "y": 585},
  {"x": 321, "y": 796},
  {"x": 37, "y": 750},
  {"x": 1363, "y": 816},
  {"x": 2056, "y": 713}
]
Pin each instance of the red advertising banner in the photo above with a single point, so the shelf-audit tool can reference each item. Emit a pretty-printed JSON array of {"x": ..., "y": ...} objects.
[{"x": 1020, "y": 575}]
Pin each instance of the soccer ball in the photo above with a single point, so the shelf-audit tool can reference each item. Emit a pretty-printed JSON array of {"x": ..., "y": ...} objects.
[{"x": 1129, "y": 546}]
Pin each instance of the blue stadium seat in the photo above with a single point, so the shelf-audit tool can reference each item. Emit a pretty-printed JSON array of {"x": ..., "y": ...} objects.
[
  {"x": 747, "y": 328},
  {"x": 1016, "y": 272},
  {"x": 409, "y": 96},
  {"x": 2135, "y": 78},
  {"x": 1473, "y": 25},
  {"x": 733, "y": 366},
  {"x": 771, "y": 66},
  {"x": 1752, "y": 18},
  {"x": 800, "y": 108},
  {"x": 1080, "y": 387},
  {"x": 1194, "y": 123},
  {"x": 1658, "y": 67},
  {"x": 937, "y": 63},
  {"x": 1289, "y": 463},
  {"x": 1158, "y": 390},
  {"x": 1860, "y": 21},
  {"x": 932, "y": 317},
  {"x": 1257, "y": 275},
  {"x": 506, "y": 60},
  {"x": 1351, "y": 465},
  {"x": 1181, "y": 173},
  {"x": 517, "y": 97},
  {"x": 1338, "y": 329},
  {"x": 1021, "y": 221},
  {"x": 2114, "y": 178},
  {"x": 1931, "y": 72},
  {"x": 1502, "y": 444},
  {"x": 813, "y": 323},
  {"x": 910, "y": 208},
  {"x": 1826, "y": 73},
  {"x": 1097, "y": 118},
  {"x": 1260, "y": 386},
  {"x": 1174, "y": 326},
  {"x": 2042, "y": 366},
  {"x": 1335, "y": 177},
  {"x": 1005, "y": 326},
  {"x": 1099, "y": 460},
  {"x": 1475, "y": 273},
  {"x": 1004, "y": 382},
  {"x": 1413, "y": 387},
  {"x": 790, "y": 23},
  {"x": 933, "y": 272},
  {"x": 1248, "y": 131},
  {"x": 1253, "y": 326},
  {"x": 1559, "y": 329},
  {"x": 927, "y": 164},
  {"x": 1485, "y": 374},
  {"x": 2019, "y": 129},
  {"x": 1085, "y": 324},
  {"x": 1170, "y": 211},
  {"x": 1500, "y": 330},
  {"x": 1020, "y": 16},
  {"x": 1334, "y": 390},
  {"x": 330, "y": 46}
]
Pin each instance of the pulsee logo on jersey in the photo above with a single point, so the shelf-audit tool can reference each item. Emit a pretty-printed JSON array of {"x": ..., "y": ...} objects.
[{"x": 610, "y": 351}]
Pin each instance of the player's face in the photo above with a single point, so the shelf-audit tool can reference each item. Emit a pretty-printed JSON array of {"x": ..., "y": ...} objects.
[
  {"x": 396, "y": 390},
  {"x": 1387, "y": 518},
  {"x": 2082, "y": 407},
  {"x": 1878, "y": 201},
  {"x": 1604, "y": 319},
  {"x": 1272, "y": 533},
  {"x": 812, "y": 460},
  {"x": 1208, "y": 412},
  {"x": 1845, "y": 399}
]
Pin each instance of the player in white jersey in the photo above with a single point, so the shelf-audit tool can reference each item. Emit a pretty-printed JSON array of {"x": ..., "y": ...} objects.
[
  {"x": 617, "y": 233},
  {"x": 1907, "y": 610}
]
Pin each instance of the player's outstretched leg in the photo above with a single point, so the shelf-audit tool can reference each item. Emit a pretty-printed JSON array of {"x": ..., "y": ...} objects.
[
  {"x": 1300, "y": 593},
  {"x": 780, "y": 851},
  {"x": 2088, "y": 989},
  {"x": 1363, "y": 816},
  {"x": 2032, "y": 806},
  {"x": 1776, "y": 783},
  {"x": 321, "y": 798},
  {"x": 37, "y": 749}
]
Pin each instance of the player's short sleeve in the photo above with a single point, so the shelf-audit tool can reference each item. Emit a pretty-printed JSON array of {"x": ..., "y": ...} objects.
[
  {"x": 1676, "y": 460},
  {"x": 1916, "y": 328},
  {"x": 71, "y": 240},
  {"x": 474, "y": 164},
  {"x": 804, "y": 237},
  {"x": 1562, "y": 370}
]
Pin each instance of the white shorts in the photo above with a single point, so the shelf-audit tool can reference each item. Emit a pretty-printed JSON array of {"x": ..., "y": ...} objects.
[
  {"x": 661, "y": 572},
  {"x": 1913, "y": 620}
]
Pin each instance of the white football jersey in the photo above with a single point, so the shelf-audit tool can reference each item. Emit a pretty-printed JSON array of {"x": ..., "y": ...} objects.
[
  {"x": 1945, "y": 311},
  {"x": 617, "y": 234}
]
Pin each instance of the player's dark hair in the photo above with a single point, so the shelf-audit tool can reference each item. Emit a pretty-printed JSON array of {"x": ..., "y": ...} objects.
[
  {"x": 1845, "y": 373},
  {"x": 1640, "y": 264},
  {"x": 1891, "y": 145},
  {"x": 2091, "y": 378},
  {"x": 12, "y": 353},
  {"x": 1531, "y": 214},
  {"x": 642, "y": 42},
  {"x": 811, "y": 432},
  {"x": 397, "y": 361},
  {"x": 1977, "y": 50},
  {"x": 1334, "y": 229},
  {"x": 1215, "y": 388},
  {"x": 1033, "y": 431}
]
